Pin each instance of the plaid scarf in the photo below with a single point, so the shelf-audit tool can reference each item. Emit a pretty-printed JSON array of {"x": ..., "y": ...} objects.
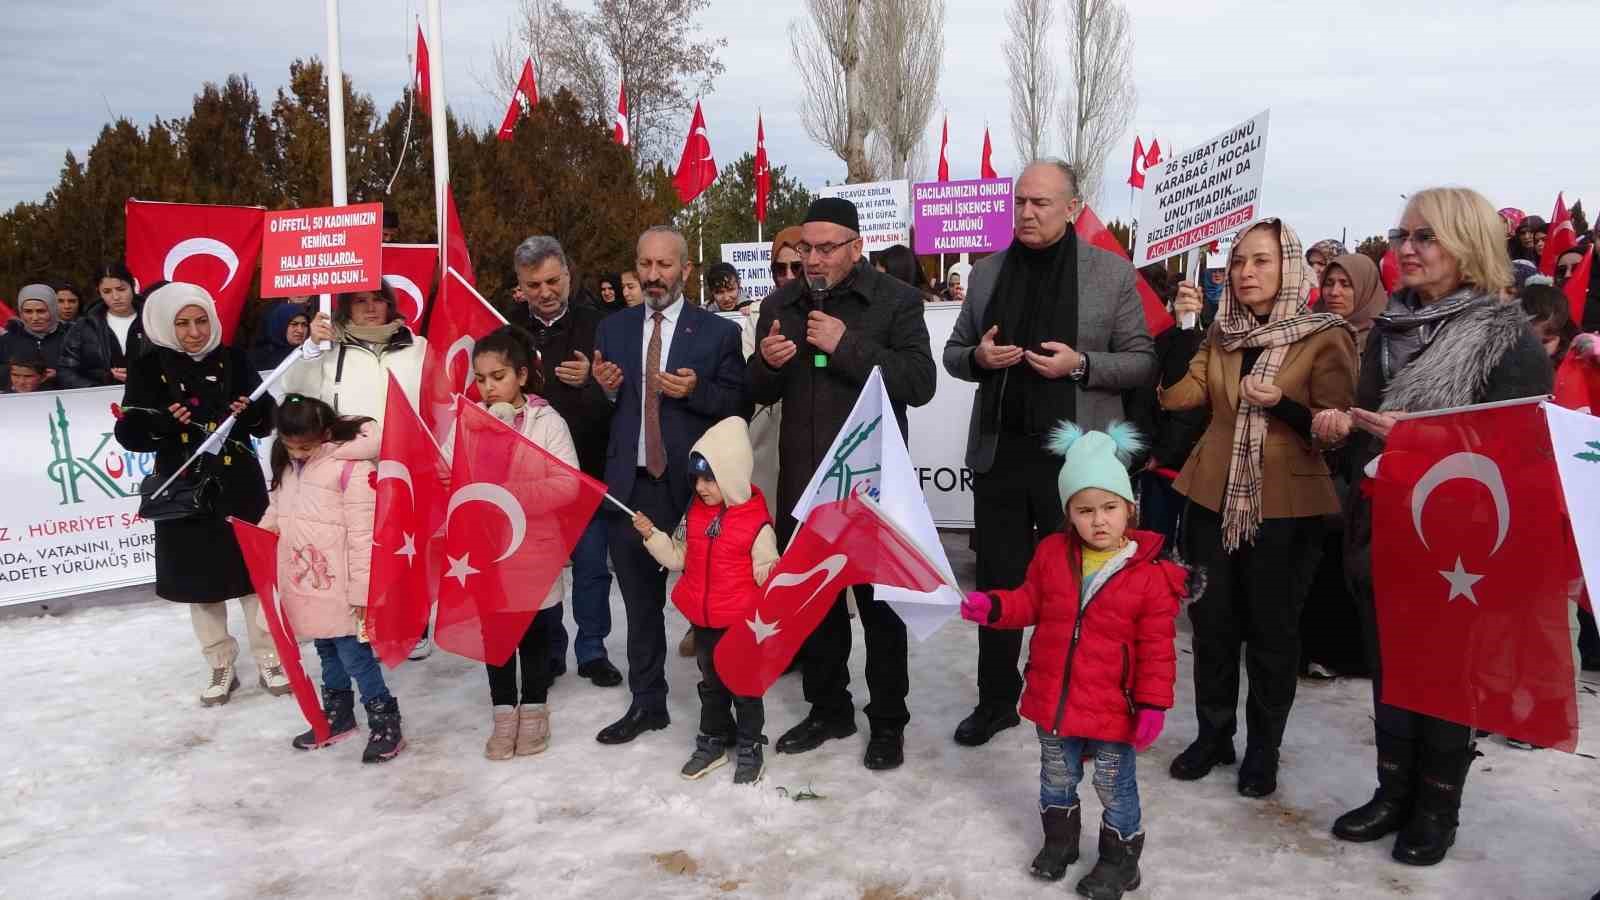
[{"x": 1290, "y": 322}]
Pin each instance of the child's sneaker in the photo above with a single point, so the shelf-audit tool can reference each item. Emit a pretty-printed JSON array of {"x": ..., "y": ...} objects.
[
  {"x": 221, "y": 687},
  {"x": 339, "y": 707},
  {"x": 709, "y": 753},
  {"x": 750, "y": 763},
  {"x": 384, "y": 742}
]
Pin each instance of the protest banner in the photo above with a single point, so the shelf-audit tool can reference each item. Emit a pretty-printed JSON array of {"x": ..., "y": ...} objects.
[
  {"x": 884, "y": 208},
  {"x": 1197, "y": 196},
  {"x": 330, "y": 250},
  {"x": 973, "y": 216},
  {"x": 754, "y": 264}
]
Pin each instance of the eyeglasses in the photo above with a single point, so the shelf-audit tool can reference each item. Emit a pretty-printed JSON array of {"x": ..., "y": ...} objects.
[
  {"x": 1565, "y": 271},
  {"x": 827, "y": 249},
  {"x": 795, "y": 269},
  {"x": 1419, "y": 238}
]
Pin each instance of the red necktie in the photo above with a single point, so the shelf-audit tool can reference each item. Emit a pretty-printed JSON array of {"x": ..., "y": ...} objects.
[{"x": 655, "y": 453}]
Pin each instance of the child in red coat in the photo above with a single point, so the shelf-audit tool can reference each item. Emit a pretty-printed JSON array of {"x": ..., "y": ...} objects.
[{"x": 1101, "y": 665}]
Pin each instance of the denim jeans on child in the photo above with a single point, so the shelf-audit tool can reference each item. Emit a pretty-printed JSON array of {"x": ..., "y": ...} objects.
[
  {"x": 1115, "y": 777},
  {"x": 347, "y": 657}
]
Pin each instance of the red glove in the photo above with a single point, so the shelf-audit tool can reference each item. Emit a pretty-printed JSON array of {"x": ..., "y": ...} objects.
[
  {"x": 1147, "y": 727},
  {"x": 976, "y": 607}
]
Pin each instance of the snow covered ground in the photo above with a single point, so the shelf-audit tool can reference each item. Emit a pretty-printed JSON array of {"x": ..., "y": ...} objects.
[{"x": 118, "y": 784}]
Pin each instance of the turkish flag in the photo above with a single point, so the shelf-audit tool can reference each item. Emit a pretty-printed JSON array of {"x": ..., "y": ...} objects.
[
  {"x": 412, "y": 489},
  {"x": 455, "y": 240},
  {"x": 1577, "y": 384},
  {"x": 260, "y": 550},
  {"x": 841, "y": 543},
  {"x": 1137, "y": 166},
  {"x": 1389, "y": 271},
  {"x": 763, "y": 171},
  {"x": 1562, "y": 237},
  {"x": 423, "y": 85},
  {"x": 408, "y": 270},
  {"x": 514, "y": 514},
  {"x": 944, "y": 144},
  {"x": 215, "y": 247},
  {"x": 1577, "y": 286},
  {"x": 620, "y": 132},
  {"x": 1152, "y": 157},
  {"x": 1091, "y": 229},
  {"x": 523, "y": 100},
  {"x": 986, "y": 164},
  {"x": 696, "y": 168},
  {"x": 461, "y": 317},
  {"x": 6, "y": 313},
  {"x": 1471, "y": 567}
]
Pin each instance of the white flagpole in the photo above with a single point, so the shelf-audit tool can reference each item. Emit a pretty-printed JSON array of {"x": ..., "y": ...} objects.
[
  {"x": 441, "y": 138},
  {"x": 335, "y": 70}
]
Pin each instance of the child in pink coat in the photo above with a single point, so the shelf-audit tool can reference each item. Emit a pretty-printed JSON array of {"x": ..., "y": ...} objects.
[{"x": 321, "y": 507}]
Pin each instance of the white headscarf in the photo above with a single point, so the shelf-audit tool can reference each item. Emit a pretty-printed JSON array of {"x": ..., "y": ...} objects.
[{"x": 161, "y": 310}]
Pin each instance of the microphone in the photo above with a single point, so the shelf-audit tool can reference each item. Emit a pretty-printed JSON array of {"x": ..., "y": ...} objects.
[{"x": 818, "y": 286}]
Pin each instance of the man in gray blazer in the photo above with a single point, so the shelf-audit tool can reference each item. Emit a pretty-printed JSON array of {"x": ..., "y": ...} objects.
[{"x": 1051, "y": 329}]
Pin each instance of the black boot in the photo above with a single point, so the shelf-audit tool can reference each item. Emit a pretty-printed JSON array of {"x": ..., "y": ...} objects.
[
  {"x": 1117, "y": 869},
  {"x": 984, "y": 723},
  {"x": 886, "y": 748},
  {"x": 1428, "y": 836},
  {"x": 340, "y": 708},
  {"x": 1258, "y": 774},
  {"x": 1061, "y": 827},
  {"x": 1390, "y": 807},
  {"x": 383, "y": 722},
  {"x": 1205, "y": 754}
]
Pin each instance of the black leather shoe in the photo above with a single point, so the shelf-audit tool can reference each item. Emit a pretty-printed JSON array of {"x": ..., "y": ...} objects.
[
  {"x": 885, "y": 749},
  {"x": 1424, "y": 840},
  {"x": 1377, "y": 819},
  {"x": 1197, "y": 761},
  {"x": 1258, "y": 773},
  {"x": 812, "y": 732},
  {"x": 984, "y": 723},
  {"x": 635, "y": 723},
  {"x": 601, "y": 672}
]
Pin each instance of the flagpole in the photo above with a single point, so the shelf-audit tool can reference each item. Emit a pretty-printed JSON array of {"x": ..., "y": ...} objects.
[
  {"x": 441, "y": 136},
  {"x": 335, "y": 70}
]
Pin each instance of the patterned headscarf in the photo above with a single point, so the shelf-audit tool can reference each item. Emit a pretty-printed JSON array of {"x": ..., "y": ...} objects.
[
  {"x": 1330, "y": 250},
  {"x": 1290, "y": 322}
]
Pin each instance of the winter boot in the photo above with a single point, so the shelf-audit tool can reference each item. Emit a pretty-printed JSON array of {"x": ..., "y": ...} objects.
[
  {"x": 339, "y": 707},
  {"x": 1258, "y": 773},
  {"x": 1428, "y": 836},
  {"x": 709, "y": 753},
  {"x": 1205, "y": 754},
  {"x": 749, "y": 762},
  {"x": 224, "y": 681},
  {"x": 533, "y": 729},
  {"x": 384, "y": 742},
  {"x": 1061, "y": 827},
  {"x": 1389, "y": 808},
  {"x": 502, "y": 743},
  {"x": 1117, "y": 869},
  {"x": 273, "y": 680}
]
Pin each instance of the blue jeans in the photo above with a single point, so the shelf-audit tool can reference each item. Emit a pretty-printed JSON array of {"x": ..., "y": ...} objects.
[
  {"x": 591, "y": 597},
  {"x": 1115, "y": 778},
  {"x": 346, "y": 657}
]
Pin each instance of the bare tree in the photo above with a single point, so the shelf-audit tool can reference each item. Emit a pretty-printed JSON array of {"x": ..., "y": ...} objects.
[
  {"x": 826, "y": 48},
  {"x": 902, "y": 74},
  {"x": 1100, "y": 96},
  {"x": 917, "y": 164},
  {"x": 1032, "y": 77},
  {"x": 532, "y": 33}
]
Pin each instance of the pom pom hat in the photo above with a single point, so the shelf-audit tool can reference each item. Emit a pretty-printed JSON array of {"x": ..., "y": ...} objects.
[{"x": 1095, "y": 459}]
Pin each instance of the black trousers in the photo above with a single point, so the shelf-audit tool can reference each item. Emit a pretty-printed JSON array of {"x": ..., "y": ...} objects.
[
  {"x": 644, "y": 591},
  {"x": 1588, "y": 636},
  {"x": 1252, "y": 600},
  {"x": 722, "y": 714},
  {"x": 1330, "y": 625},
  {"x": 534, "y": 654},
  {"x": 1014, "y": 505}
]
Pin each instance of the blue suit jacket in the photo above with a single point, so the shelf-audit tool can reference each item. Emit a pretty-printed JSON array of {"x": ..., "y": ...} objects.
[{"x": 703, "y": 342}]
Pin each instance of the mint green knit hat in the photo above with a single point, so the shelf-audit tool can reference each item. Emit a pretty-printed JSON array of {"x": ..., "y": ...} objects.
[{"x": 1095, "y": 459}]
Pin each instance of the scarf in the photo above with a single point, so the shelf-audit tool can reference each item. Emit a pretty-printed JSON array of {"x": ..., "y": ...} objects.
[
  {"x": 45, "y": 294},
  {"x": 1035, "y": 300},
  {"x": 1290, "y": 322},
  {"x": 161, "y": 310},
  {"x": 376, "y": 335},
  {"x": 1370, "y": 299},
  {"x": 1407, "y": 327}
]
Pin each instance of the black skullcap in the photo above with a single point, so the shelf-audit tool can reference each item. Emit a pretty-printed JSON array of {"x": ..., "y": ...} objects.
[{"x": 837, "y": 210}]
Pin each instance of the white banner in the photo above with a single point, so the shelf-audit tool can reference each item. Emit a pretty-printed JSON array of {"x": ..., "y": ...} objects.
[
  {"x": 884, "y": 208},
  {"x": 1575, "y": 438},
  {"x": 938, "y": 431},
  {"x": 1200, "y": 195},
  {"x": 754, "y": 262}
]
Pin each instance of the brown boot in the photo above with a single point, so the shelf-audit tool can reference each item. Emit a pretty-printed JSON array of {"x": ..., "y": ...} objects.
[
  {"x": 503, "y": 740},
  {"x": 533, "y": 729}
]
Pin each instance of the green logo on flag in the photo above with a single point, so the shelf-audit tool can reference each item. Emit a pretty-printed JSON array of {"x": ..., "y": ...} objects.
[
  {"x": 841, "y": 470},
  {"x": 1589, "y": 455}
]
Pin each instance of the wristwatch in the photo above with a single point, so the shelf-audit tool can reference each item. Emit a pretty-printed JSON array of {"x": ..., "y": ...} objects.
[{"x": 1081, "y": 373}]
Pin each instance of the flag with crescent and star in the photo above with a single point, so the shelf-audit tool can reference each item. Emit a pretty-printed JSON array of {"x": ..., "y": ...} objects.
[
  {"x": 412, "y": 489},
  {"x": 409, "y": 271},
  {"x": 514, "y": 514},
  {"x": 1472, "y": 570},
  {"x": 259, "y": 547},
  {"x": 697, "y": 169},
  {"x": 461, "y": 318},
  {"x": 523, "y": 100},
  {"x": 215, "y": 247}
]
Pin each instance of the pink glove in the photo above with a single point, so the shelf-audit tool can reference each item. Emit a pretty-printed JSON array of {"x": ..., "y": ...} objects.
[
  {"x": 1147, "y": 727},
  {"x": 976, "y": 607}
]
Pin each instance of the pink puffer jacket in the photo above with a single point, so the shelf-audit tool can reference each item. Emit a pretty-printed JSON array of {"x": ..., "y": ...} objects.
[{"x": 323, "y": 515}]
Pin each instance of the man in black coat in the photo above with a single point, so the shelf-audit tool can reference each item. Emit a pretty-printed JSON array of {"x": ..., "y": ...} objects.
[
  {"x": 820, "y": 339},
  {"x": 563, "y": 333}
]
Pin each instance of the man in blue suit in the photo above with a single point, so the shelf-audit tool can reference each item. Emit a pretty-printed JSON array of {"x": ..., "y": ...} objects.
[{"x": 671, "y": 371}]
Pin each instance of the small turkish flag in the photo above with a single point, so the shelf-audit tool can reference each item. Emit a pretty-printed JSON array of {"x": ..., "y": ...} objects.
[
  {"x": 409, "y": 270},
  {"x": 986, "y": 163},
  {"x": 455, "y": 241},
  {"x": 422, "y": 71},
  {"x": 412, "y": 490},
  {"x": 696, "y": 168},
  {"x": 620, "y": 132},
  {"x": 523, "y": 100},
  {"x": 1137, "y": 166},
  {"x": 1577, "y": 384},
  {"x": 215, "y": 247},
  {"x": 1471, "y": 567},
  {"x": 260, "y": 550},
  {"x": 461, "y": 318},
  {"x": 1562, "y": 236},
  {"x": 1152, "y": 157},
  {"x": 1577, "y": 286},
  {"x": 763, "y": 171},
  {"x": 1091, "y": 229},
  {"x": 944, "y": 144}
]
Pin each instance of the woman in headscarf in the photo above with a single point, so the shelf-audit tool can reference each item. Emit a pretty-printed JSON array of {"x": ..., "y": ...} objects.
[
  {"x": 176, "y": 396},
  {"x": 36, "y": 332},
  {"x": 370, "y": 342},
  {"x": 1445, "y": 340},
  {"x": 1353, "y": 290},
  {"x": 786, "y": 264},
  {"x": 286, "y": 327},
  {"x": 1322, "y": 253},
  {"x": 1258, "y": 492},
  {"x": 611, "y": 299}
]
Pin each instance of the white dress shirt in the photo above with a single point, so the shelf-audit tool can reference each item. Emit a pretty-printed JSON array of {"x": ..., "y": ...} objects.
[{"x": 669, "y": 324}]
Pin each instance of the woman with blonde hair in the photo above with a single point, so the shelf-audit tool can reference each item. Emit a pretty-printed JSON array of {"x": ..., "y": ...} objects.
[{"x": 1445, "y": 340}]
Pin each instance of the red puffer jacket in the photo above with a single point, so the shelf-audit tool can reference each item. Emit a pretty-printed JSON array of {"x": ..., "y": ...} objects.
[
  {"x": 718, "y": 588},
  {"x": 1088, "y": 670}
]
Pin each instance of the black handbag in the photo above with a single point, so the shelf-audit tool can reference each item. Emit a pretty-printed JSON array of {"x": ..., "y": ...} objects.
[{"x": 192, "y": 495}]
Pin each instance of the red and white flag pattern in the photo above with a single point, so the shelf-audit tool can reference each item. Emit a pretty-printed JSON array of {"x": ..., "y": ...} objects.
[
  {"x": 461, "y": 317},
  {"x": 215, "y": 247},
  {"x": 620, "y": 133},
  {"x": 422, "y": 75},
  {"x": 523, "y": 100},
  {"x": 259, "y": 547},
  {"x": 763, "y": 171},
  {"x": 409, "y": 271}
]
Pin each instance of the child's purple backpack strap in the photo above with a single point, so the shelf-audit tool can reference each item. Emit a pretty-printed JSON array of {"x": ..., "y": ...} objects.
[{"x": 344, "y": 476}]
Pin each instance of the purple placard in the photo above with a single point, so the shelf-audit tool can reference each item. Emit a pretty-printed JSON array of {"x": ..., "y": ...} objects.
[{"x": 962, "y": 216}]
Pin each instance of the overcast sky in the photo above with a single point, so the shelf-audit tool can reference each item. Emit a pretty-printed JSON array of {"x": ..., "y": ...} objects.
[{"x": 1370, "y": 100}]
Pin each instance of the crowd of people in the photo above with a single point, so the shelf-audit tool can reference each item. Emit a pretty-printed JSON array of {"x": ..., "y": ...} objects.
[{"x": 1118, "y": 478}]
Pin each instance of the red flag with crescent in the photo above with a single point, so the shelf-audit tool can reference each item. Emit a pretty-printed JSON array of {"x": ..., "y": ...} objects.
[
  {"x": 986, "y": 162},
  {"x": 523, "y": 100},
  {"x": 422, "y": 75},
  {"x": 1137, "y": 167},
  {"x": 409, "y": 271},
  {"x": 620, "y": 132},
  {"x": 1471, "y": 568},
  {"x": 215, "y": 247},
  {"x": 1089, "y": 228},
  {"x": 763, "y": 171},
  {"x": 461, "y": 318},
  {"x": 1561, "y": 237},
  {"x": 514, "y": 514},
  {"x": 697, "y": 169}
]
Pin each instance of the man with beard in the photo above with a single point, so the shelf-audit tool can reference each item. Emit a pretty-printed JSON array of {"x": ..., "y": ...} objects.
[{"x": 670, "y": 371}]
